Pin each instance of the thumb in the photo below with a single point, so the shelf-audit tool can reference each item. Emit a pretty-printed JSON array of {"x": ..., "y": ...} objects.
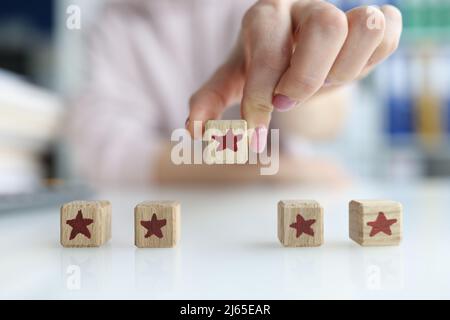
[{"x": 222, "y": 90}]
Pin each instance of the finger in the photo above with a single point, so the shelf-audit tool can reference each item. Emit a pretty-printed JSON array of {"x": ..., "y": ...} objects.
[
  {"x": 267, "y": 33},
  {"x": 366, "y": 31},
  {"x": 322, "y": 32},
  {"x": 222, "y": 90},
  {"x": 391, "y": 40}
]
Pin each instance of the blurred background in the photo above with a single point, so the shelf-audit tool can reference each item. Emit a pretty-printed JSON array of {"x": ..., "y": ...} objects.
[{"x": 399, "y": 126}]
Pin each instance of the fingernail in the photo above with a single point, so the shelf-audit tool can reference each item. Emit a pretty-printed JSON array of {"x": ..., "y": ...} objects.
[
  {"x": 259, "y": 140},
  {"x": 283, "y": 103},
  {"x": 186, "y": 123}
]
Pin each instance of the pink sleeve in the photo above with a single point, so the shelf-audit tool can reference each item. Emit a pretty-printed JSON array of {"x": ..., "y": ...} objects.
[{"x": 113, "y": 125}]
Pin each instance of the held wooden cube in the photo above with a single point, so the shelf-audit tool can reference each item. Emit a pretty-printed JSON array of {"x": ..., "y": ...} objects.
[
  {"x": 85, "y": 223},
  {"x": 375, "y": 222},
  {"x": 300, "y": 223},
  {"x": 157, "y": 224},
  {"x": 227, "y": 142}
]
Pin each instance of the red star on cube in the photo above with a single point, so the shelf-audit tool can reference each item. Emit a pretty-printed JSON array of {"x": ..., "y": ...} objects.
[
  {"x": 228, "y": 141},
  {"x": 79, "y": 226},
  {"x": 154, "y": 226},
  {"x": 381, "y": 224},
  {"x": 303, "y": 226}
]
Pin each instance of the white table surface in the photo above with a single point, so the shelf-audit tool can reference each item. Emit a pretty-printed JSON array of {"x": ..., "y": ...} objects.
[{"x": 229, "y": 250}]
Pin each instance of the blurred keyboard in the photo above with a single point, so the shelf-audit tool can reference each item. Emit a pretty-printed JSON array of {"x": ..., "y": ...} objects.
[{"x": 44, "y": 197}]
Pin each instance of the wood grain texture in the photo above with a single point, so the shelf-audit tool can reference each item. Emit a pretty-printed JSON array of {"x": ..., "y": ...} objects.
[
  {"x": 361, "y": 212},
  {"x": 227, "y": 156},
  {"x": 170, "y": 231},
  {"x": 99, "y": 229},
  {"x": 287, "y": 215}
]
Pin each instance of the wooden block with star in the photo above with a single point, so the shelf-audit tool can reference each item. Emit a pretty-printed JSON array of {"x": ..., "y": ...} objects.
[
  {"x": 375, "y": 222},
  {"x": 227, "y": 142},
  {"x": 300, "y": 223},
  {"x": 85, "y": 223},
  {"x": 157, "y": 224}
]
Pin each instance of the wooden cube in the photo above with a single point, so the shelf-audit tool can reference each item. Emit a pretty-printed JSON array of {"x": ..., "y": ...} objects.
[
  {"x": 227, "y": 142},
  {"x": 300, "y": 223},
  {"x": 157, "y": 224},
  {"x": 375, "y": 222},
  {"x": 85, "y": 223}
]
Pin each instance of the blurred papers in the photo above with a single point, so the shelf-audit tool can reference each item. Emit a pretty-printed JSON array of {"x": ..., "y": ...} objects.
[{"x": 29, "y": 121}]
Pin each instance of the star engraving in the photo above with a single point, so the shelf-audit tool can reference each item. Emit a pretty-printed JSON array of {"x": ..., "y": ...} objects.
[
  {"x": 79, "y": 226},
  {"x": 228, "y": 141},
  {"x": 154, "y": 226},
  {"x": 303, "y": 226},
  {"x": 381, "y": 224}
]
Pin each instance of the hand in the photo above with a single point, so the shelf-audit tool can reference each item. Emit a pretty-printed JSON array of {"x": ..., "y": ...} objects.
[{"x": 289, "y": 51}]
